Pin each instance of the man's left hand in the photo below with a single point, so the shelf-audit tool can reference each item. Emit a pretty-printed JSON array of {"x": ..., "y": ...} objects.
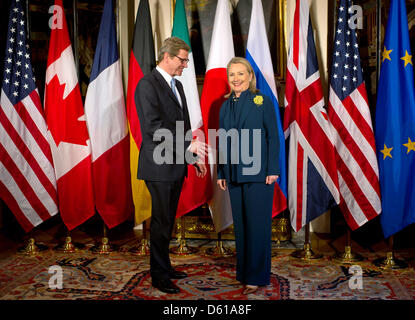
[{"x": 201, "y": 169}]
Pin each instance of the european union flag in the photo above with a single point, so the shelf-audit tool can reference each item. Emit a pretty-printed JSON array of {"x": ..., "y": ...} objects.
[{"x": 395, "y": 124}]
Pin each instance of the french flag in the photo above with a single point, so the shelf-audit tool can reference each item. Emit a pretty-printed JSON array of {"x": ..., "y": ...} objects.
[
  {"x": 258, "y": 55},
  {"x": 108, "y": 129}
]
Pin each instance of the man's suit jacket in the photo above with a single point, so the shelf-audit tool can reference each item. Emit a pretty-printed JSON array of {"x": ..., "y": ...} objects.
[
  {"x": 158, "y": 108},
  {"x": 253, "y": 111}
]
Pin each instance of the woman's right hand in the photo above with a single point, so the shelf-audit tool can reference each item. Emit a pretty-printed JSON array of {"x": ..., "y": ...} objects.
[{"x": 222, "y": 184}]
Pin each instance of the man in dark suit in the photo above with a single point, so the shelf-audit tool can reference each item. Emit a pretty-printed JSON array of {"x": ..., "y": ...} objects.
[{"x": 164, "y": 120}]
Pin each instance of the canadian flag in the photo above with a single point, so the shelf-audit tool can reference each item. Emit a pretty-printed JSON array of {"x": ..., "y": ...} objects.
[
  {"x": 215, "y": 87},
  {"x": 67, "y": 131}
]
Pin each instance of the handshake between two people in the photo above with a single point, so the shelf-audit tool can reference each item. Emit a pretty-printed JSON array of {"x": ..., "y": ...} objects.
[{"x": 201, "y": 149}]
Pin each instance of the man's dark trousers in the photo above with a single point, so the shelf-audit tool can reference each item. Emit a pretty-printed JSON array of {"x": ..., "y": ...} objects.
[{"x": 164, "y": 200}]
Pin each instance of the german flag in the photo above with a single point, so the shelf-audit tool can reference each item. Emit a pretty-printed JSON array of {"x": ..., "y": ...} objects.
[{"x": 142, "y": 61}]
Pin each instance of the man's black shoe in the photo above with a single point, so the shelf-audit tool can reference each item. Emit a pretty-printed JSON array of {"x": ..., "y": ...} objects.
[
  {"x": 174, "y": 274},
  {"x": 165, "y": 285}
]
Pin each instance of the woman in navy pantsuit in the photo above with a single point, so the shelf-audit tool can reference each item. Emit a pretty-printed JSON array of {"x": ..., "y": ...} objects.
[{"x": 248, "y": 167}]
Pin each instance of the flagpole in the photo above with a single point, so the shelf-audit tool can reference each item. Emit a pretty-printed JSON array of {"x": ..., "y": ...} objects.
[
  {"x": 347, "y": 256},
  {"x": 390, "y": 263},
  {"x": 104, "y": 247},
  {"x": 379, "y": 39},
  {"x": 75, "y": 35},
  {"x": 183, "y": 249},
  {"x": 69, "y": 246},
  {"x": 172, "y": 7},
  {"x": 306, "y": 253},
  {"x": 219, "y": 251},
  {"x": 283, "y": 232},
  {"x": 143, "y": 248},
  {"x": 32, "y": 248},
  {"x": 27, "y": 20}
]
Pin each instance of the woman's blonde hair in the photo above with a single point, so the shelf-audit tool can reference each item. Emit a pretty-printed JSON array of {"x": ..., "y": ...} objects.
[{"x": 252, "y": 83}]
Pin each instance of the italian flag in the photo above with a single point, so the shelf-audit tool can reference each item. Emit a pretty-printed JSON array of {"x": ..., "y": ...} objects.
[{"x": 196, "y": 191}]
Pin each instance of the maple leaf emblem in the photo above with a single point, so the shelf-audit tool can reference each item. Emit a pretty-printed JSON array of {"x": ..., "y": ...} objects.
[{"x": 65, "y": 117}]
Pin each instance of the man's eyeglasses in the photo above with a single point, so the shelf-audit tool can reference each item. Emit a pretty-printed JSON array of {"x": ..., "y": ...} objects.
[{"x": 182, "y": 60}]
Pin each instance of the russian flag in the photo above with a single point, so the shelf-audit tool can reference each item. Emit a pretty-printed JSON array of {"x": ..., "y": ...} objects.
[
  {"x": 258, "y": 54},
  {"x": 108, "y": 128}
]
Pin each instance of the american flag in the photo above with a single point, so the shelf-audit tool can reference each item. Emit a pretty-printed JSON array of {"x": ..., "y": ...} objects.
[
  {"x": 353, "y": 133},
  {"x": 312, "y": 175},
  {"x": 27, "y": 178}
]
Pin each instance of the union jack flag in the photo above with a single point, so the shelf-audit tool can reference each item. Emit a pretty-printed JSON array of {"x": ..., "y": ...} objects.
[
  {"x": 353, "y": 133},
  {"x": 313, "y": 186}
]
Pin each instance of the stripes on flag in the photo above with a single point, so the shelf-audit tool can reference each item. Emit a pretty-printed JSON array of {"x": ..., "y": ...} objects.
[
  {"x": 353, "y": 135},
  {"x": 313, "y": 186},
  {"x": 27, "y": 178}
]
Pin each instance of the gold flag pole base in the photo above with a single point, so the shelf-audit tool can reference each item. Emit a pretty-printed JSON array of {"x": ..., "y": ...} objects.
[
  {"x": 143, "y": 249},
  {"x": 69, "y": 246},
  {"x": 390, "y": 263},
  {"x": 347, "y": 256},
  {"x": 104, "y": 247},
  {"x": 306, "y": 253},
  {"x": 32, "y": 248},
  {"x": 219, "y": 251},
  {"x": 183, "y": 249}
]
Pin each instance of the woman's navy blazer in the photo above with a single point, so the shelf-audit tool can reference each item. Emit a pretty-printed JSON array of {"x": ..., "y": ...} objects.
[{"x": 252, "y": 111}]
